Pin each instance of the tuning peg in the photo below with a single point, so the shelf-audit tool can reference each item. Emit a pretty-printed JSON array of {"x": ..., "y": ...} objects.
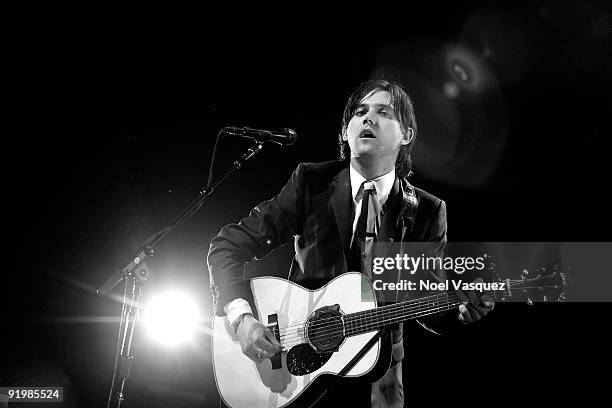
[{"x": 542, "y": 272}]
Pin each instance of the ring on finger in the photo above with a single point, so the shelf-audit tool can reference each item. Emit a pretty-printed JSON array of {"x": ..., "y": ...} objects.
[{"x": 260, "y": 354}]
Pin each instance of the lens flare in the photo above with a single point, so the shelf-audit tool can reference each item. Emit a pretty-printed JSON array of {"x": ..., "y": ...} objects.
[{"x": 171, "y": 318}]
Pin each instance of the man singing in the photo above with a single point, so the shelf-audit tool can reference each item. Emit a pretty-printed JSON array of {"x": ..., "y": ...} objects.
[{"x": 320, "y": 207}]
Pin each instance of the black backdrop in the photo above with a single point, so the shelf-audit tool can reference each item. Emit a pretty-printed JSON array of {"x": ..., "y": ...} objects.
[{"x": 109, "y": 132}]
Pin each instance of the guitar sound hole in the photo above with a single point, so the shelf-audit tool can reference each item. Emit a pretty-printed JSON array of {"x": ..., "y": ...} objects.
[{"x": 325, "y": 329}]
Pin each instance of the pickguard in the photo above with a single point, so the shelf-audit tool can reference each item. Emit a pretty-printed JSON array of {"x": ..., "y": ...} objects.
[{"x": 302, "y": 360}]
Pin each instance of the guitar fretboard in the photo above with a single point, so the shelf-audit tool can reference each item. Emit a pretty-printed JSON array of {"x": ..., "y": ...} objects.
[{"x": 375, "y": 319}]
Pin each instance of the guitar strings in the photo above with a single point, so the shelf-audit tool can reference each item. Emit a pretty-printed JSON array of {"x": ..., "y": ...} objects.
[
  {"x": 411, "y": 302},
  {"x": 418, "y": 301},
  {"x": 368, "y": 326},
  {"x": 392, "y": 319},
  {"x": 451, "y": 300},
  {"x": 412, "y": 307},
  {"x": 378, "y": 312},
  {"x": 389, "y": 320},
  {"x": 447, "y": 306}
]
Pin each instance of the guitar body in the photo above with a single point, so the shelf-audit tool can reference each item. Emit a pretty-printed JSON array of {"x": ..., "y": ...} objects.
[{"x": 301, "y": 371}]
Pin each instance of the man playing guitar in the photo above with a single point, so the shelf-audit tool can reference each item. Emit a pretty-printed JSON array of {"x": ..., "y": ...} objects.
[{"x": 320, "y": 208}]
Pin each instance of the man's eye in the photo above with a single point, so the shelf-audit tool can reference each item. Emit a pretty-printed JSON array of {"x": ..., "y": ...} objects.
[
  {"x": 385, "y": 113},
  {"x": 360, "y": 112}
]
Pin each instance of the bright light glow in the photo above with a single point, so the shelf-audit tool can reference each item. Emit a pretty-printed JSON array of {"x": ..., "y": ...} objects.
[
  {"x": 171, "y": 318},
  {"x": 451, "y": 89},
  {"x": 467, "y": 68}
]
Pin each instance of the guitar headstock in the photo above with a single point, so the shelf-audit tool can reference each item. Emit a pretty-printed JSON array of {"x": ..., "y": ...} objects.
[{"x": 548, "y": 283}]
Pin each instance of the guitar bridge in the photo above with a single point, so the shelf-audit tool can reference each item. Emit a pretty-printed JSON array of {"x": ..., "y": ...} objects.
[{"x": 273, "y": 326}]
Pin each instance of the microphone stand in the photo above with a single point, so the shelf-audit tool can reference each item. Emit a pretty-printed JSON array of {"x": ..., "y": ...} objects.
[{"x": 136, "y": 272}]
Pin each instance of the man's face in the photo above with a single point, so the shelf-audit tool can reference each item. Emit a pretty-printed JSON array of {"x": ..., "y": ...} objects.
[{"x": 374, "y": 131}]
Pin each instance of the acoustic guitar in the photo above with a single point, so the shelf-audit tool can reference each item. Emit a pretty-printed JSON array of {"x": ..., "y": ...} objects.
[{"x": 336, "y": 331}]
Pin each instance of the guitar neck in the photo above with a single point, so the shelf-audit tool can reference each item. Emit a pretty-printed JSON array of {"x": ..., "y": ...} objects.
[{"x": 375, "y": 319}]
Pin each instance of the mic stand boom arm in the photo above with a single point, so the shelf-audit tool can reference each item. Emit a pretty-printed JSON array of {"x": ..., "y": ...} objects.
[{"x": 136, "y": 272}]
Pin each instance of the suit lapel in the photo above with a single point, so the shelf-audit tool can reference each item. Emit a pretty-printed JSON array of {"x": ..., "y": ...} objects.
[{"x": 342, "y": 207}]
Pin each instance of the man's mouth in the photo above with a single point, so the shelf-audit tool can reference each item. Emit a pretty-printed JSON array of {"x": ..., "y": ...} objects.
[{"x": 366, "y": 134}]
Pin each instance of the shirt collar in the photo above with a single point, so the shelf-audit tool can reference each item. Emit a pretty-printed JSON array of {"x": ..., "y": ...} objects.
[{"x": 383, "y": 184}]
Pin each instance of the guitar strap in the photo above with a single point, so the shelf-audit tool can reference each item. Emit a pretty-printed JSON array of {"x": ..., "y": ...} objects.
[
  {"x": 355, "y": 359},
  {"x": 363, "y": 351}
]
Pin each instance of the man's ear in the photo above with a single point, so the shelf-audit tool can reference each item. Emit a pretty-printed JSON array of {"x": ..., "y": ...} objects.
[
  {"x": 344, "y": 136},
  {"x": 407, "y": 136}
]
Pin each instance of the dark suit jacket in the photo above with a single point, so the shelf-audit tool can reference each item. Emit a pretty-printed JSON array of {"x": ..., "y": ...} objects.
[{"x": 315, "y": 207}]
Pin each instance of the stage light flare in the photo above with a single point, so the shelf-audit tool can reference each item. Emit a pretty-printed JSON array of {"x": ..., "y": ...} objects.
[
  {"x": 467, "y": 68},
  {"x": 171, "y": 317},
  {"x": 451, "y": 89}
]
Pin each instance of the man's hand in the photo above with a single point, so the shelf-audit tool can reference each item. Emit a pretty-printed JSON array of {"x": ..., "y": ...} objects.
[
  {"x": 256, "y": 340},
  {"x": 474, "y": 307}
]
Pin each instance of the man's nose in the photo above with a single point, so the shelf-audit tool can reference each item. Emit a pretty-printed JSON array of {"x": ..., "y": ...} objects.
[{"x": 369, "y": 118}]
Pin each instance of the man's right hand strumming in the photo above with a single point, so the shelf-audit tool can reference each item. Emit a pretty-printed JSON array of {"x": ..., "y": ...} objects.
[{"x": 256, "y": 340}]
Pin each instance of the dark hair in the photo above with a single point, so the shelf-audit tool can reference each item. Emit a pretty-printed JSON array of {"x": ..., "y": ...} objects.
[{"x": 404, "y": 111}]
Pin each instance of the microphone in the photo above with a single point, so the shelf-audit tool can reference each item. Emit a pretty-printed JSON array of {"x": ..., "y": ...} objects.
[{"x": 285, "y": 136}]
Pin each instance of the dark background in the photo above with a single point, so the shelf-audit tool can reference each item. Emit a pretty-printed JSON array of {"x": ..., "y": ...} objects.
[{"x": 110, "y": 127}]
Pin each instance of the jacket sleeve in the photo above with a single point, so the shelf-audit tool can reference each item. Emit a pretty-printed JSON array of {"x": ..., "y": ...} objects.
[{"x": 270, "y": 224}]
